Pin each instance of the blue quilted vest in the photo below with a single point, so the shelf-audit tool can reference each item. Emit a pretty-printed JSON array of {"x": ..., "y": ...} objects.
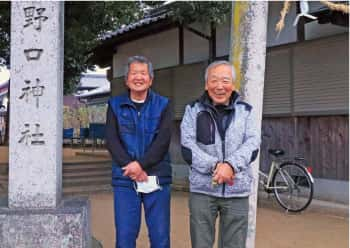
[{"x": 137, "y": 130}]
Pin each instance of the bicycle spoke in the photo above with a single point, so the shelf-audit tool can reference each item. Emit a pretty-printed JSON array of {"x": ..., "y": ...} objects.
[{"x": 292, "y": 187}]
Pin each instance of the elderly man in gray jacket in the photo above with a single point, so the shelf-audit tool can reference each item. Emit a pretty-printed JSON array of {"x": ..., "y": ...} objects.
[{"x": 219, "y": 140}]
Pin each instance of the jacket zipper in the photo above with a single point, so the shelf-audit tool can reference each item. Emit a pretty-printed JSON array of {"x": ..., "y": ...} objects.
[
  {"x": 138, "y": 132},
  {"x": 137, "y": 121},
  {"x": 212, "y": 140},
  {"x": 139, "y": 144},
  {"x": 222, "y": 148},
  {"x": 223, "y": 159}
]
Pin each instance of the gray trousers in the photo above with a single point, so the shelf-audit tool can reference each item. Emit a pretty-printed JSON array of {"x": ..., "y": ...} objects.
[{"x": 233, "y": 223}]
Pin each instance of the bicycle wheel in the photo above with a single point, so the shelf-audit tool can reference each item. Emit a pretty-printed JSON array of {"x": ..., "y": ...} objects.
[{"x": 293, "y": 187}]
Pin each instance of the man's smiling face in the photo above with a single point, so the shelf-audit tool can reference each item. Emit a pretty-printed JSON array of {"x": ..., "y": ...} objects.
[
  {"x": 220, "y": 84},
  {"x": 138, "y": 80}
]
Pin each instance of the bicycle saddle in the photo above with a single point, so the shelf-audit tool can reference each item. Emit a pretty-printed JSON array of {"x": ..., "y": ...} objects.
[{"x": 276, "y": 152}]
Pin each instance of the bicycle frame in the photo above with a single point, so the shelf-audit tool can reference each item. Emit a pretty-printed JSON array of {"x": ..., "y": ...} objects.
[
  {"x": 268, "y": 177},
  {"x": 267, "y": 186},
  {"x": 275, "y": 165}
]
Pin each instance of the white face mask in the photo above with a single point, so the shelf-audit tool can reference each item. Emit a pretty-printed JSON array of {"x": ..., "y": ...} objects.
[{"x": 150, "y": 186}]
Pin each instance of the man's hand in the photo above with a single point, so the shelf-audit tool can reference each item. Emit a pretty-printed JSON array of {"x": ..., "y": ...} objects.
[
  {"x": 135, "y": 171},
  {"x": 223, "y": 173},
  {"x": 143, "y": 177}
]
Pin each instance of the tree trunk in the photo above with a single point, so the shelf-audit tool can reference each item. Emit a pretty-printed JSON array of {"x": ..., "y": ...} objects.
[{"x": 248, "y": 52}]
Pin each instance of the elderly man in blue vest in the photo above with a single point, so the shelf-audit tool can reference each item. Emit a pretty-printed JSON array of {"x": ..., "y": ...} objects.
[
  {"x": 138, "y": 133},
  {"x": 219, "y": 141}
]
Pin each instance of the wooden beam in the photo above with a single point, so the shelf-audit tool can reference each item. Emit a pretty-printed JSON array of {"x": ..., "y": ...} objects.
[
  {"x": 212, "y": 42},
  {"x": 204, "y": 36},
  {"x": 300, "y": 25},
  {"x": 181, "y": 45}
]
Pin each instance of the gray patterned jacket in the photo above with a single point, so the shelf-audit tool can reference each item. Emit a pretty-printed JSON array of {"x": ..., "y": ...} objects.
[{"x": 203, "y": 148}]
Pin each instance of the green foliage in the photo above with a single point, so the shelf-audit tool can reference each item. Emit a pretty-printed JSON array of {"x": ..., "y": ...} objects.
[
  {"x": 216, "y": 12},
  {"x": 5, "y": 30},
  {"x": 86, "y": 22}
]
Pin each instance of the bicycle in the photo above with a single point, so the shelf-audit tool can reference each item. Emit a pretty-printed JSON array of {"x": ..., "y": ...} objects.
[{"x": 290, "y": 181}]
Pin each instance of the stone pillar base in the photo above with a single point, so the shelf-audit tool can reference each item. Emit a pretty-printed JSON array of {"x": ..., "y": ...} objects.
[{"x": 67, "y": 226}]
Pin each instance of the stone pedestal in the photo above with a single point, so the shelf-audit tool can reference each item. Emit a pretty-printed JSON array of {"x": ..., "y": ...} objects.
[{"x": 65, "y": 226}]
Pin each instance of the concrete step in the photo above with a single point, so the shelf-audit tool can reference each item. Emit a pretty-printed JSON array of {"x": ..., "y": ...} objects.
[
  {"x": 88, "y": 173},
  {"x": 68, "y": 170},
  {"x": 180, "y": 185},
  {"x": 87, "y": 164},
  {"x": 78, "y": 177},
  {"x": 78, "y": 169},
  {"x": 73, "y": 165},
  {"x": 86, "y": 190},
  {"x": 81, "y": 181},
  {"x": 95, "y": 153},
  {"x": 87, "y": 160}
]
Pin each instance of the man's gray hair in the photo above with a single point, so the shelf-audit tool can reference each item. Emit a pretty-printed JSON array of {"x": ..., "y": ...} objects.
[
  {"x": 142, "y": 60},
  {"x": 217, "y": 63}
]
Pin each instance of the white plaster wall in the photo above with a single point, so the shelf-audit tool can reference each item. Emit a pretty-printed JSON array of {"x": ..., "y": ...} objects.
[
  {"x": 162, "y": 49},
  {"x": 196, "y": 48},
  {"x": 201, "y": 27},
  {"x": 223, "y": 39}
]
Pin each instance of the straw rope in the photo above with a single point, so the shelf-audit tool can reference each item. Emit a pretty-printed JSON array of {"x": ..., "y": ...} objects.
[
  {"x": 283, "y": 13},
  {"x": 336, "y": 6}
]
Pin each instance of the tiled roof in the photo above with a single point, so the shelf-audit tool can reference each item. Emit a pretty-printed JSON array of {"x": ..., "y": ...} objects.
[{"x": 135, "y": 25}]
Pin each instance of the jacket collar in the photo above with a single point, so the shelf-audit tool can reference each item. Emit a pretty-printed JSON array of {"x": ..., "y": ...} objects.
[
  {"x": 206, "y": 100},
  {"x": 126, "y": 100}
]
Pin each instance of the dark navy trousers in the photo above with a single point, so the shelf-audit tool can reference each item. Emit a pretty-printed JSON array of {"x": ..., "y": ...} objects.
[{"x": 127, "y": 212}]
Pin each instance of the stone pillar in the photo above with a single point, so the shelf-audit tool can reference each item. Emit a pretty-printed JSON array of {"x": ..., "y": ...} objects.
[
  {"x": 248, "y": 52},
  {"x": 35, "y": 154},
  {"x": 36, "y": 215}
]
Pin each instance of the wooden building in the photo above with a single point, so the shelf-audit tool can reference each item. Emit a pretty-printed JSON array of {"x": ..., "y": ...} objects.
[{"x": 306, "y": 90}]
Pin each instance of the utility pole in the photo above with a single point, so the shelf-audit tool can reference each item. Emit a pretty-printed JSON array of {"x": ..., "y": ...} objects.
[{"x": 248, "y": 53}]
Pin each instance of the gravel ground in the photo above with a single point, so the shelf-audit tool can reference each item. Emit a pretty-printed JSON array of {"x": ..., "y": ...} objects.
[{"x": 275, "y": 228}]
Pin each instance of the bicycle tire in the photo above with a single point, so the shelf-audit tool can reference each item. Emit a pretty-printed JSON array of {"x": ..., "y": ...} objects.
[{"x": 291, "y": 178}]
